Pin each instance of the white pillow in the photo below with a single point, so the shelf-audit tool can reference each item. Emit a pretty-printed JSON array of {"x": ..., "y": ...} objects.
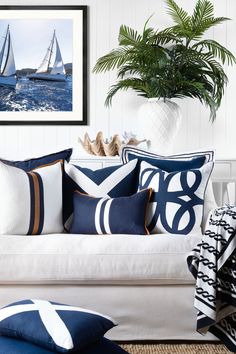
[{"x": 31, "y": 202}]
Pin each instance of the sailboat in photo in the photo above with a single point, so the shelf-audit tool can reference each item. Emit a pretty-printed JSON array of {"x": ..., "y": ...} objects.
[
  {"x": 45, "y": 72},
  {"x": 7, "y": 62}
]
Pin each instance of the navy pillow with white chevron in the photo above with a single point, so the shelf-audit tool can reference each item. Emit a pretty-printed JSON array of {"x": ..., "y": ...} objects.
[
  {"x": 176, "y": 204},
  {"x": 123, "y": 215},
  {"x": 114, "y": 181},
  {"x": 54, "y": 326},
  {"x": 31, "y": 202}
]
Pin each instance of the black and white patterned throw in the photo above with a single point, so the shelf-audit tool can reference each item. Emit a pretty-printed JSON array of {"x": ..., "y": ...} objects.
[{"x": 213, "y": 265}]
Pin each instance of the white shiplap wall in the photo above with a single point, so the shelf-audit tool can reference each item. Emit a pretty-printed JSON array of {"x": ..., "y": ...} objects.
[{"x": 105, "y": 18}]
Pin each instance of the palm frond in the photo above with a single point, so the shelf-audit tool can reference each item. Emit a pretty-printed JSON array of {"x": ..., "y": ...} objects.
[
  {"x": 166, "y": 36},
  {"x": 181, "y": 32},
  {"x": 179, "y": 15},
  {"x": 217, "y": 50},
  {"x": 131, "y": 83},
  {"x": 112, "y": 60},
  {"x": 203, "y": 11},
  {"x": 148, "y": 34},
  {"x": 128, "y": 36},
  {"x": 205, "y": 25}
]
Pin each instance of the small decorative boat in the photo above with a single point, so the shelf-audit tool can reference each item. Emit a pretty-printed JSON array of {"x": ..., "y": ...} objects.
[
  {"x": 57, "y": 72},
  {"x": 7, "y": 62}
]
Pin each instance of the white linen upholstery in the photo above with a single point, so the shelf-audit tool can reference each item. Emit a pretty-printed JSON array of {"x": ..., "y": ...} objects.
[{"x": 89, "y": 259}]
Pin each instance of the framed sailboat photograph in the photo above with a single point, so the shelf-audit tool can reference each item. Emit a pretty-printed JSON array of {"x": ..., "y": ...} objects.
[{"x": 43, "y": 65}]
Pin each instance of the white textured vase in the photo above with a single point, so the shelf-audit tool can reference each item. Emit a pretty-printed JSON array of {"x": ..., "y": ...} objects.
[{"x": 158, "y": 122}]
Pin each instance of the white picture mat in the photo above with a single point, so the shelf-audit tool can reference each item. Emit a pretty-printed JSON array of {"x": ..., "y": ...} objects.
[{"x": 77, "y": 84}]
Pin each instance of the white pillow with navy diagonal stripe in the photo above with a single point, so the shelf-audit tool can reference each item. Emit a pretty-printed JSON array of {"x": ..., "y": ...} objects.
[
  {"x": 176, "y": 205},
  {"x": 31, "y": 202}
]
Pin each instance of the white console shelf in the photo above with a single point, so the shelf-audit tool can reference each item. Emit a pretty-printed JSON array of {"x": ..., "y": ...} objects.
[{"x": 96, "y": 162}]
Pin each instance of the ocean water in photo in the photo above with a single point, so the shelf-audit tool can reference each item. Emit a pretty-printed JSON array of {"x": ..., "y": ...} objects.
[{"x": 37, "y": 95}]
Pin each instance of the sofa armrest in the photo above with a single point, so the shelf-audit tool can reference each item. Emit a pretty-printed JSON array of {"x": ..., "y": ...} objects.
[{"x": 224, "y": 190}]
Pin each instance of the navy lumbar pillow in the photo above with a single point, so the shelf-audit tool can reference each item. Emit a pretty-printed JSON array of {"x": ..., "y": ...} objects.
[
  {"x": 123, "y": 215},
  {"x": 31, "y": 164},
  {"x": 16, "y": 346},
  {"x": 176, "y": 204},
  {"x": 54, "y": 326},
  {"x": 113, "y": 181}
]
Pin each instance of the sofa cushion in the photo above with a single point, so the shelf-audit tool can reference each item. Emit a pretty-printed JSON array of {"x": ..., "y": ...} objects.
[
  {"x": 90, "y": 259},
  {"x": 176, "y": 204},
  {"x": 54, "y": 326},
  {"x": 113, "y": 181},
  {"x": 176, "y": 162},
  {"x": 31, "y": 202},
  {"x": 123, "y": 215}
]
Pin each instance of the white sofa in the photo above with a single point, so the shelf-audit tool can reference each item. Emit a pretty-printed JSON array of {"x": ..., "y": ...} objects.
[{"x": 141, "y": 281}]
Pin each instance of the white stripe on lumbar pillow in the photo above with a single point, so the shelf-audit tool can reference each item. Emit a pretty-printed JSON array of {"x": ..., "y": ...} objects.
[
  {"x": 106, "y": 216},
  {"x": 97, "y": 216}
]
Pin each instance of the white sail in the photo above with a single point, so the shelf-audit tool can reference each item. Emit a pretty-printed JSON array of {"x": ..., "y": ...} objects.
[
  {"x": 58, "y": 67},
  {"x": 3, "y": 48},
  {"x": 10, "y": 67},
  {"x": 58, "y": 72},
  {"x": 43, "y": 68}
]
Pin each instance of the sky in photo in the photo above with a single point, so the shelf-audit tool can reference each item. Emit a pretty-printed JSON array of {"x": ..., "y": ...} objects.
[{"x": 31, "y": 38}]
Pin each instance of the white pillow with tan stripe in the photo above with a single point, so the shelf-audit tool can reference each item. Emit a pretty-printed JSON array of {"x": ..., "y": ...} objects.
[{"x": 31, "y": 202}]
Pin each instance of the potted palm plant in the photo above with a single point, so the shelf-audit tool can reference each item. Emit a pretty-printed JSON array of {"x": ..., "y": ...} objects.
[{"x": 176, "y": 62}]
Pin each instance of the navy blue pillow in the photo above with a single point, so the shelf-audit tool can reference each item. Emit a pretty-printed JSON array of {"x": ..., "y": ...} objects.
[
  {"x": 16, "y": 346},
  {"x": 171, "y": 163},
  {"x": 124, "y": 215},
  {"x": 113, "y": 181},
  {"x": 31, "y": 164},
  {"x": 54, "y": 326},
  {"x": 167, "y": 163}
]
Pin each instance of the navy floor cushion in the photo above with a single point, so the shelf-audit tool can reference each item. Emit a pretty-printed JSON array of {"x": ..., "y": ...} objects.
[
  {"x": 56, "y": 327},
  {"x": 15, "y": 346}
]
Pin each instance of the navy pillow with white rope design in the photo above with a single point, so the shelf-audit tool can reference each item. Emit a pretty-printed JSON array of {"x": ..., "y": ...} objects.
[
  {"x": 57, "y": 327},
  {"x": 123, "y": 215},
  {"x": 176, "y": 204}
]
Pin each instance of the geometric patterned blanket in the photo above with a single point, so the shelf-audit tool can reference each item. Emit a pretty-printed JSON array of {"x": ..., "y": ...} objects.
[{"x": 213, "y": 265}]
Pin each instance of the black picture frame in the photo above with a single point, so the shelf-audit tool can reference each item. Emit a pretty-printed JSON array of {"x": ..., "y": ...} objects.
[{"x": 84, "y": 110}]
